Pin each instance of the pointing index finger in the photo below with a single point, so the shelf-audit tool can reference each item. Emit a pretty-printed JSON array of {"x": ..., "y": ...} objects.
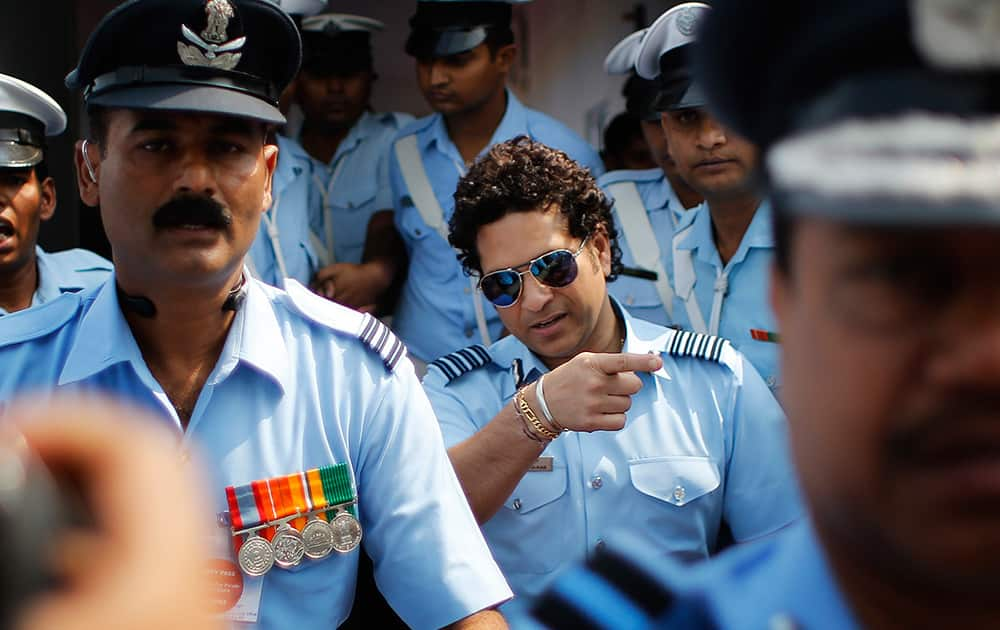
[{"x": 627, "y": 362}]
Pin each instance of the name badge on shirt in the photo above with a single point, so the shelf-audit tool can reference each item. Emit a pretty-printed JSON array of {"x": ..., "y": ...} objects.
[
  {"x": 235, "y": 596},
  {"x": 542, "y": 464}
]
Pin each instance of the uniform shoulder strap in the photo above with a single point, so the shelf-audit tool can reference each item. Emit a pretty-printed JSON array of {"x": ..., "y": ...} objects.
[
  {"x": 39, "y": 321},
  {"x": 460, "y": 362},
  {"x": 684, "y": 343},
  {"x": 373, "y": 333}
]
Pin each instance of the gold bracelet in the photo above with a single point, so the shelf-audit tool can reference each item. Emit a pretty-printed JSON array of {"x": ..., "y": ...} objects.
[
  {"x": 525, "y": 426},
  {"x": 528, "y": 414}
]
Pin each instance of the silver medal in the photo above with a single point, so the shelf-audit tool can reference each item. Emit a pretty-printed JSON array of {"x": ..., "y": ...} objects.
[
  {"x": 318, "y": 538},
  {"x": 288, "y": 547},
  {"x": 346, "y": 532},
  {"x": 256, "y": 556}
]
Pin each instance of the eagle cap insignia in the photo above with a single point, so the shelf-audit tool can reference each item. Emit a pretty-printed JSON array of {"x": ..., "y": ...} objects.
[
  {"x": 210, "y": 49},
  {"x": 958, "y": 34},
  {"x": 687, "y": 21}
]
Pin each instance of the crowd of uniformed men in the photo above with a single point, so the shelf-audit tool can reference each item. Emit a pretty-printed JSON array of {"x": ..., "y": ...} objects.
[{"x": 459, "y": 344}]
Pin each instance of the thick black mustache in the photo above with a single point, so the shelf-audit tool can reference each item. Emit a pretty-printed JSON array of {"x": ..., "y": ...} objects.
[{"x": 192, "y": 210}]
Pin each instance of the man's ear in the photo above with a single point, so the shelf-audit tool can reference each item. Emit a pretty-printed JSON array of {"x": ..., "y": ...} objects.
[
  {"x": 505, "y": 58},
  {"x": 270, "y": 163},
  {"x": 47, "y": 190},
  {"x": 87, "y": 181},
  {"x": 602, "y": 247}
]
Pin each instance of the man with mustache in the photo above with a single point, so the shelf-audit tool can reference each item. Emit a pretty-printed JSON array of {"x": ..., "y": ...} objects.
[
  {"x": 880, "y": 143},
  {"x": 464, "y": 53},
  {"x": 353, "y": 231},
  {"x": 30, "y": 276},
  {"x": 721, "y": 252},
  {"x": 314, "y": 428},
  {"x": 647, "y": 204},
  {"x": 585, "y": 419}
]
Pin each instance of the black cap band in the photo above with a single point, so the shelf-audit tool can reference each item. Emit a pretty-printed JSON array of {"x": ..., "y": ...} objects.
[{"x": 133, "y": 76}]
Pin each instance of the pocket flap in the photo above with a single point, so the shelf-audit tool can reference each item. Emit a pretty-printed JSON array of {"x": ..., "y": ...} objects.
[
  {"x": 676, "y": 480},
  {"x": 537, "y": 489}
]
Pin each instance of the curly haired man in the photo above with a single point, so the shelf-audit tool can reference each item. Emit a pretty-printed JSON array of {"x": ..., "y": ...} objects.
[{"x": 586, "y": 420}]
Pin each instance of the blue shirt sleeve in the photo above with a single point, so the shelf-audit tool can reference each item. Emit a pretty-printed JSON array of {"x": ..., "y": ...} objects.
[
  {"x": 431, "y": 560},
  {"x": 761, "y": 489}
]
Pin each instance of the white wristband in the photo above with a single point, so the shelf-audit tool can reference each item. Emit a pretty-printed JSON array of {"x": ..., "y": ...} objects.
[{"x": 540, "y": 395}]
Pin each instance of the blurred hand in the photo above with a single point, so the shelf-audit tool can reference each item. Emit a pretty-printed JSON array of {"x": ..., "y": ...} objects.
[
  {"x": 142, "y": 564},
  {"x": 592, "y": 392},
  {"x": 358, "y": 286}
]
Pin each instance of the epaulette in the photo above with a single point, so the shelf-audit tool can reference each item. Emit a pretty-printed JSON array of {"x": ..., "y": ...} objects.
[
  {"x": 368, "y": 329},
  {"x": 461, "y": 362},
  {"x": 40, "y": 320},
  {"x": 685, "y": 343},
  {"x": 644, "y": 175}
]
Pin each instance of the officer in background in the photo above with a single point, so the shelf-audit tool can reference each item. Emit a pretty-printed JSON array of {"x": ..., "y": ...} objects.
[
  {"x": 647, "y": 204},
  {"x": 464, "y": 52},
  {"x": 882, "y": 169},
  {"x": 284, "y": 247},
  {"x": 314, "y": 428},
  {"x": 586, "y": 419},
  {"x": 721, "y": 253},
  {"x": 353, "y": 230},
  {"x": 30, "y": 276},
  {"x": 624, "y": 146}
]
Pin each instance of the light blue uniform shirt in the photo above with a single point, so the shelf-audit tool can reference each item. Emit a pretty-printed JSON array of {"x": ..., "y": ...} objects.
[
  {"x": 664, "y": 211},
  {"x": 283, "y": 238},
  {"x": 356, "y": 185},
  {"x": 704, "y": 441},
  {"x": 746, "y": 304},
  {"x": 785, "y": 579},
  {"x": 66, "y": 272},
  {"x": 436, "y": 314},
  {"x": 296, "y": 387}
]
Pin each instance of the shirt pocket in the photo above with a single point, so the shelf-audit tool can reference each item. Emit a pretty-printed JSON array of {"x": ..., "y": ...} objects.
[
  {"x": 352, "y": 196},
  {"x": 537, "y": 489},
  {"x": 676, "y": 480}
]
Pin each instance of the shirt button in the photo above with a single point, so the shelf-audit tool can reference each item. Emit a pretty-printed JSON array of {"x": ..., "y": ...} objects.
[
  {"x": 596, "y": 482},
  {"x": 600, "y": 544},
  {"x": 630, "y": 300},
  {"x": 418, "y": 231},
  {"x": 679, "y": 494},
  {"x": 469, "y": 332},
  {"x": 517, "y": 504},
  {"x": 771, "y": 382}
]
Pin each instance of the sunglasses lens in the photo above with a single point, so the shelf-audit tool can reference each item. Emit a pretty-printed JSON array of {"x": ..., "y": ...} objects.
[
  {"x": 501, "y": 287},
  {"x": 557, "y": 269}
]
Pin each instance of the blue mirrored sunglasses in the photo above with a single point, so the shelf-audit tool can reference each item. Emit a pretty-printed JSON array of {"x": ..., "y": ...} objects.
[{"x": 555, "y": 269}]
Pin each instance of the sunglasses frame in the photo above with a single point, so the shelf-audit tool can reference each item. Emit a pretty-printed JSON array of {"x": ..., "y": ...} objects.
[{"x": 527, "y": 271}]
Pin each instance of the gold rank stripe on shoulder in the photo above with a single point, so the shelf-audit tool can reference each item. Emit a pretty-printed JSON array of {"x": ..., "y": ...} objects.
[
  {"x": 379, "y": 338},
  {"x": 691, "y": 344},
  {"x": 462, "y": 361}
]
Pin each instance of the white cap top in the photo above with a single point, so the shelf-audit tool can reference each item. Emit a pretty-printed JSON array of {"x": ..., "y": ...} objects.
[
  {"x": 23, "y": 98},
  {"x": 301, "y": 7},
  {"x": 673, "y": 29},
  {"x": 621, "y": 59},
  {"x": 340, "y": 22}
]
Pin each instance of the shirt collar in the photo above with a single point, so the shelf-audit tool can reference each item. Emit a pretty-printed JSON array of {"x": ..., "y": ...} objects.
[
  {"x": 514, "y": 123},
  {"x": 759, "y": 234},
  {"x": 361, "y": 130},
  {"x": 51, "y": 283},
  {"x": 104, "y": 339}
]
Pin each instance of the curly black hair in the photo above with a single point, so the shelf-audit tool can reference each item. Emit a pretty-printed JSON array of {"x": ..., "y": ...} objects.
[{"x": 522, "y": 175}]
